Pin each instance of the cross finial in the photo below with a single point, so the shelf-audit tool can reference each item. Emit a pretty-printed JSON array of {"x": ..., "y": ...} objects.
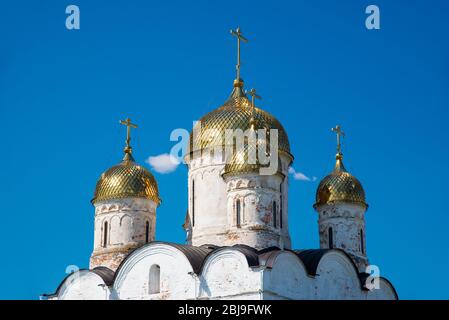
[
  {"x": 238, "y": 33},
  {"x": 253, "y": 95},
  {"x": 340, "y": 134},
  {"x": 129, "y": 125}
]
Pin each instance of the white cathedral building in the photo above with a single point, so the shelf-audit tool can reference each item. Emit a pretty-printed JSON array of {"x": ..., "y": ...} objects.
[{"x": 237, "y": 228}]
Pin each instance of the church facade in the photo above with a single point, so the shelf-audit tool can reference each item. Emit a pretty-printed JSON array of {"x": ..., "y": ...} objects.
[{"x": 237, "y": 230}]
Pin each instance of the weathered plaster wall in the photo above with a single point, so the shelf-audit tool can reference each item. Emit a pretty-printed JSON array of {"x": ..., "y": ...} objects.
[
  {"x": 212, "y": 205},
  {"x": 207, "y": 199},
  {"x": 126, "y": 229},
  {"x": 385, "y": 292},
  {"x": 225, "y": 274},
  {"x": 337, "y": 278},
  {"x": 346, "y": 221},
  {"x": 257, "y": 195},
  {"x": 177, "y": 280},
  {"x": 287, "y": 279},
  {"x": 84, "y": 285}
]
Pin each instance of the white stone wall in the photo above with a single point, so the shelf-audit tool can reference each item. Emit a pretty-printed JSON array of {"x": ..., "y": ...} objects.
[
  {"x": 83, "y": 285},
  {"x": 177, "y": 280},
  {"x": 346, "y": 221},
  {"x": 260, "y": 227},
  {"x": 337, "y": 279},
  {"x": 125, "y": 220},
  {"x": 212, "y": 204},
  {"x": 287, "y": 278},
  {"x": 207, "y": 205},
  {"x": 384, "y": 292},
  {"x": 225, "y": 275}
]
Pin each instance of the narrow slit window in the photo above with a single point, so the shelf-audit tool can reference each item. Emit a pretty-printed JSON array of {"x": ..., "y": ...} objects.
[
  {"x": 147, "y": 232},
  {"x": 331, "y": 238},
  {"x": 275, "y": 209},
  {"x": 105, "y": 234},
  {"x": 238, "y": 212}
]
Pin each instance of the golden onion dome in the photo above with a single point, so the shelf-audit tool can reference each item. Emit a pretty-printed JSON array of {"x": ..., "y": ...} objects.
[
  {"x": 240, "y": 162},
  {"x": 126, "y": 180},
  {"x": 236, "y": 113},
  {"x": 340, "y": 186}
]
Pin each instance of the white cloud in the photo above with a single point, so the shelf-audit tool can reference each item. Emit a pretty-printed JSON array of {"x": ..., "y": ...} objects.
[
  {"x": 299, "y": 175},
  {"x": 163, "y": 163}
]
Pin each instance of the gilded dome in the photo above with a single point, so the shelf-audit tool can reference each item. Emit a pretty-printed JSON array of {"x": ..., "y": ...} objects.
[
  {"x": 126, "y": 180},
  {"x": 236, "y": 113},
  {"x": 240, "y": 164},
  {"x": 340, "y": 186}
]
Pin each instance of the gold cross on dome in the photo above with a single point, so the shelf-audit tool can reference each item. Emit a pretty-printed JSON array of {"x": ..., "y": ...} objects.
[
  {"x": 340, "y": 134},
  {"x": 238, "y": 33},
  {"x": 129, "y": 125},
  {"x": 253, "y": 95}
]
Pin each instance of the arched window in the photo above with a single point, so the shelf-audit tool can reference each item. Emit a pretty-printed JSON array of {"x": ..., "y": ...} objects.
[
  {"x": 275, "y": 209},
  {"x": 147, "y": 232},
  {"x": 154, "y": 283},
  {"x": 362, "y": 245},
  {"x": 193, "y": 203},
  {"x": 280, "y": 207},
  {"x": 105, "y": 234},
  {"x": 331, "y": 237},
  {"x": 238, "y": 213}
]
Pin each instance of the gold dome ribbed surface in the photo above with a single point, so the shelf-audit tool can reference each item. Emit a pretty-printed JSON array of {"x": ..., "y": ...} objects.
[
  {"x": 340, "y": 186},
  {"x": 235, "y": 114},
  {"x": 240, "y": 164},
  {"x": 126, "y": 180}
]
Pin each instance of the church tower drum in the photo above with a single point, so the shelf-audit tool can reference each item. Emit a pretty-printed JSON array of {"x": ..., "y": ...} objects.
[
  {"x": 125, "y": 201},
  {"x": 341, "y": 207},
  {"x": 230, "y": 202}
]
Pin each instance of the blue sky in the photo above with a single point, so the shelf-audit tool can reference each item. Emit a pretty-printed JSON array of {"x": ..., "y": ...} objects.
[{"x": 167, "y": 63}]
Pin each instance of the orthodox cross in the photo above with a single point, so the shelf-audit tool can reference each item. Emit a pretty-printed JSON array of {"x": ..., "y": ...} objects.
[
  {"x": 340, "y": 134},
  {"x": 253, "y": 95},
  {"x": 238, "y": 33},
  {"x": 129, "y": 125}
]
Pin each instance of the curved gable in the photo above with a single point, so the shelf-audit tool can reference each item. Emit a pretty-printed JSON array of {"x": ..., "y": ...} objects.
[
  {"x": 83, "y": 285},
  {"x": 228, "y": 271},
  {"x": 337, "y": 277},
  {"x": 177, "y": 265}
]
